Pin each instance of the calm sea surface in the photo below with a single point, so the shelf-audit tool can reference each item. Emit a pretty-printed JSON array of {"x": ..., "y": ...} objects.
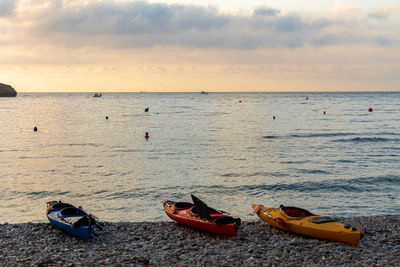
[{"x": 230, "y": 154}]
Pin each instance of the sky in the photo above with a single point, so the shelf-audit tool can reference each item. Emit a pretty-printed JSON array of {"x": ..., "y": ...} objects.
[{"x": 192, "y": 45}]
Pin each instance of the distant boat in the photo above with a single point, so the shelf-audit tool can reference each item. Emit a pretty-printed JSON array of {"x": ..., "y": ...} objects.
[
  {"x": 204, "y": 93},
  {"x": 97, "y": 95}
]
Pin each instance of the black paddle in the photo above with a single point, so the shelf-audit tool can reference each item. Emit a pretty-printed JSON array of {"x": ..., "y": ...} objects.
[{"x": 201, "y": 208}]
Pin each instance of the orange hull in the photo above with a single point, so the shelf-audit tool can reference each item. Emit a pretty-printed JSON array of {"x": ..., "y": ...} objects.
[
  {"x": 303, "y": 222},
  {"x": 184, "y": 213}
]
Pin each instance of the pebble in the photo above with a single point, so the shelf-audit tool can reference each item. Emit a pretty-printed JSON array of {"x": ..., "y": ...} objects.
[{"x": 171, "y": 244}]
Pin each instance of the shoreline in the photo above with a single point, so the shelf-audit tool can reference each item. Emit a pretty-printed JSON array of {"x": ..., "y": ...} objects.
[{"x": 170, "y": 244}]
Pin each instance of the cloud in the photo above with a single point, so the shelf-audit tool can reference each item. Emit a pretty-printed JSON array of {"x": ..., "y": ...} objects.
[
  {"x": 7, "y": 7},
  {"x": 143, "y": 24},
  {"x": 125, "y": 24},
  {"x": 383, "y": 41},
  {"x": 266, "y": 11},
  {"x": 382, "y": 13},
  {"x": 131, "y": 18},
  {"x": 290, "y": 23}
]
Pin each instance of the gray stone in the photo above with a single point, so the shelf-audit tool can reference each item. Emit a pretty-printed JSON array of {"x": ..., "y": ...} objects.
[{"x": 169, "y": 244}]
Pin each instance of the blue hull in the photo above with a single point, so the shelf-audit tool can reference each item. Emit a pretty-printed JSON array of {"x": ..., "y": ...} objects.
[
  {"x": 68, "y": 223},
  {"x": 81, "y": 231}
]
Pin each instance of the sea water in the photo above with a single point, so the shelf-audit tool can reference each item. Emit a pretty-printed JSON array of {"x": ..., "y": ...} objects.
[{"x": 225, "y": 148}]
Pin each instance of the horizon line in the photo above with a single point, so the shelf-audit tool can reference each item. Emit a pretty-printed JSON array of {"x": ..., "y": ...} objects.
[{"x": 199, "y": 92}]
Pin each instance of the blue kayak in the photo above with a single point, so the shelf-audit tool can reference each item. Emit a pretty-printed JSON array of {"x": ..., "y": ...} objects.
[{"x": 71, "y": 219}]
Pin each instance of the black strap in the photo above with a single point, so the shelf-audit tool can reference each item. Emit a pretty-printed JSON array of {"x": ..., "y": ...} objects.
[
  {"x": 319, "y": 220},
  {"x": 227, "y": 220}
]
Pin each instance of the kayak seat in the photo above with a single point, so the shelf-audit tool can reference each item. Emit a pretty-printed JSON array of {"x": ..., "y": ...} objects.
[
  {"x": 296, "y": 212},
  {"x": 71, "y": 211},
  {"x": 183, "y": 205},
  {"x": 318, "y": 220},
  {"x": 59, "y": 206}
]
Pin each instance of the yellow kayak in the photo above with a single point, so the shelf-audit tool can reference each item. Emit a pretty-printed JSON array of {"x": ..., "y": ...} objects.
[{"x": 303, "y": 222}]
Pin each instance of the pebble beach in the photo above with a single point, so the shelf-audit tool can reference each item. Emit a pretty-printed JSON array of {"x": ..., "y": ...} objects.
[{"x": 172, "y": 244}]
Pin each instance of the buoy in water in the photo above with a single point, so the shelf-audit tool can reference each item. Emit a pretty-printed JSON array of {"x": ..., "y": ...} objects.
[
  {"x": 146, "y": 110},
  {"x": 273, "y": 117},
  {"x": 106, "y": 117},
  {"x": 146, "y": 135},
  {"x": 370, "y": 109},
  {"x": 306, "y": 97},
  {"x": 35, "y": 129},
  {"x": 240, "y": 101},
  {"x": 324, "y": 113}
]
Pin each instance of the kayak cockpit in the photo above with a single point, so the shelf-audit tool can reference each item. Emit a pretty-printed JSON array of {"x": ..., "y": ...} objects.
[
  {"x": 72, "y": 211},
  {"x": 296, "y": 212},
  {"x": 182, "y": 205},
  {"x": 56, "y": 206}
]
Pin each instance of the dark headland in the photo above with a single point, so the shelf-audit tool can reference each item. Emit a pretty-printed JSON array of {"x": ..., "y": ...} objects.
[{"x": 7, "y": 91}]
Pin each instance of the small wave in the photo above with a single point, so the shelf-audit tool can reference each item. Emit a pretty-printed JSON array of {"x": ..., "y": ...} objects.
[
  {"x": 313, "y": 171},
  {"x": 49, "y": 171},
  {"x": 368, "y": 139},
  {"x": 128, "y": 150},
  {"x": 261, "y": 174},
  {"x": 43, "y": 194},
  {"x": 34, "y": 157},
  {"x": 388, "y": 133},
  {"x": 231, "y": 175},
  {"x": 85, "y": 144},
  {"x": 387, "y": 179},
  {"x": 268, "y": 174},
  {"x": 137, "y": 193},
  {"x": 358, "y": 185},
  {"x": 216, "y": 113},
  {"x": 270, "y": 136},
  {"x": 320, "y": 135},
  {"x": 309, "y": 135},
  {"x": 295, "y": 162},
  {"x": 345, "y": 161},
  {"x": 100, "y": 192},
  {"x": 81, "y": 166}
]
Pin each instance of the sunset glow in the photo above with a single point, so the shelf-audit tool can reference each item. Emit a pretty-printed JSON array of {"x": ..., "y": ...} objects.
[{"x": 131, "y": 46}]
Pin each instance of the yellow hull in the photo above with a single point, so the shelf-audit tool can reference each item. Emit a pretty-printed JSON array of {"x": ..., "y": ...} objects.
[{"x": 332, "y": 231}]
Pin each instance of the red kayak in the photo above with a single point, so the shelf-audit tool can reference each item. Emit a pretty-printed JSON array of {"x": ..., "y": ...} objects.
[{"x": 200, "y": 216}]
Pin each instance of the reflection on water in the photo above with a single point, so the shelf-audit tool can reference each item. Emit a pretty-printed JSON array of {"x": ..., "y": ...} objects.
[{"x": 228, "y": 153}]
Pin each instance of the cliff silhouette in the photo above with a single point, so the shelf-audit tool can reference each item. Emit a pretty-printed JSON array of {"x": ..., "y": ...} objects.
[{"x": 7, "y": 91}]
